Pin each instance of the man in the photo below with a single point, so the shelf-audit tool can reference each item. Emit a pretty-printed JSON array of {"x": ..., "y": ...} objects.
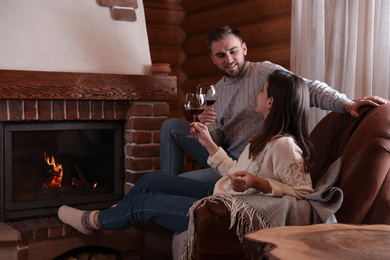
[{"x": 241, "y": 83}]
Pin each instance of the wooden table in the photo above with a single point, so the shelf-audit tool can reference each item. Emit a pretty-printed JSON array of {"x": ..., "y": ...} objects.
[{"x": 322, "y": 241}]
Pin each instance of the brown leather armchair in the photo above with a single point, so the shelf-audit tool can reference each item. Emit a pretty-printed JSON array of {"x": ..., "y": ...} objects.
[{"x": 364, "y": 144}]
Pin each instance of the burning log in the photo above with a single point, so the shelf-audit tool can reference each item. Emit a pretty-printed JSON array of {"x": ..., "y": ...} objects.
[{"x": 81, "y": 175}]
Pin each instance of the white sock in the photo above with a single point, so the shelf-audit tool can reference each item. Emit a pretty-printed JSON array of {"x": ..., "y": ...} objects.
[{"x": 81, "y": 220}]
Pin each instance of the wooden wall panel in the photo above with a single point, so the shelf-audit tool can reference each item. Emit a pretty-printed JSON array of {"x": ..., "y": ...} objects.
[
  {"x": 162, "y": 5},
  {"x": 235, "y": 13},
  {"x": 200, "y": 6},
  {"x": 164, "y": 16},
  {"x": 162, "y": 55},
  {"x": 166, "y": 36},
  {"x": 279, "y": 54},
  {"x": 199, "y": 66}
]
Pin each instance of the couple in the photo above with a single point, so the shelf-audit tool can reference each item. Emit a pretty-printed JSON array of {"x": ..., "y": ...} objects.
[
  {"x": 261, "y": 100},
  {"x": 274, "y": 163}
]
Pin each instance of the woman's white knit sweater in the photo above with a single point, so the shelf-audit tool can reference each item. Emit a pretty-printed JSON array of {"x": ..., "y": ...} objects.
[{"x": 280, "y": 163}]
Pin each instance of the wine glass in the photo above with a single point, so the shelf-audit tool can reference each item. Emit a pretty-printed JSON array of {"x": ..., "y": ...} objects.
[
  {"x": 208, "y": 89},
  {"x": 194, "y": 104}
]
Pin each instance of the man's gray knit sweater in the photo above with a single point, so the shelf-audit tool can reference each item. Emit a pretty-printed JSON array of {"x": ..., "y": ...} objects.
[{"x": 236, "y": 102}]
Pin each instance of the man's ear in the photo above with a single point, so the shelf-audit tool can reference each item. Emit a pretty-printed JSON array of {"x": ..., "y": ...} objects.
[
  {"x": 244, "y": 48},
  {"x": 270, "y": 102},
  {"x": 212, "y": 57}
]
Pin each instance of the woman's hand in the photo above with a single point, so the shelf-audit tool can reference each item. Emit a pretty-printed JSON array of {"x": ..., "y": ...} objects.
[
  {"x": 208, "y": 116},
  {"x": 243, "y": 180},
  {"x": 204, "y": 137}
]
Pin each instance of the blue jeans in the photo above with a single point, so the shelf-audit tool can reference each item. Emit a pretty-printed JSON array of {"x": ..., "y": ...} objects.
[{"x": 160, "y": 197}]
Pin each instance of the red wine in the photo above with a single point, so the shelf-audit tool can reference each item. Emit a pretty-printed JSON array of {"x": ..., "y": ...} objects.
[
  {"x": 210, "y": 102},
  {"x": 195, "y": 112}
]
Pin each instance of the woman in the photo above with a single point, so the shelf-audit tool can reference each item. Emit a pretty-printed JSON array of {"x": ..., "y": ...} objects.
[{"x": 275, "y": 163}]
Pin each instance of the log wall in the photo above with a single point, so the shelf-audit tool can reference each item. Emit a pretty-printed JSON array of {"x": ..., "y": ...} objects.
[
  {"x": 166, "y": 36},
  {"x": 178, "y": 29}
]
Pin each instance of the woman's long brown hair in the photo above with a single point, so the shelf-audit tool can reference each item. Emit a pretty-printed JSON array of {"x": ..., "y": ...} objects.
[{"x": 288, "y": 115}]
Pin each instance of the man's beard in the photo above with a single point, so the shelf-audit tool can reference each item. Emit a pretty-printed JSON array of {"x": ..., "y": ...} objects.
[{"x": 238, "y": 71}]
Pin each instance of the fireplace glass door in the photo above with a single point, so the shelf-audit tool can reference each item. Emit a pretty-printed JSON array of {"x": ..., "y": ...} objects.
[{"x": 50, "y": 164}]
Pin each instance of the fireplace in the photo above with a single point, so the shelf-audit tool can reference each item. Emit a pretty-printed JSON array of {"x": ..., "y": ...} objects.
[
  {"x": 46, "y": 101},
  {"x": 48, "y": 164}
]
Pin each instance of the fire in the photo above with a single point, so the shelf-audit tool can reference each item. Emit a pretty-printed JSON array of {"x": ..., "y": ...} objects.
[{"x": 57, "y": 172}]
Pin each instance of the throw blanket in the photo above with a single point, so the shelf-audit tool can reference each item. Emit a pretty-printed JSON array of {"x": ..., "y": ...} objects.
[{"x": 254, "y": 212}]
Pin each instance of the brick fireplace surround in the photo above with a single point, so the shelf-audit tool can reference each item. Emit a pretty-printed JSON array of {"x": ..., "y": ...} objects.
[{"x": 139, "y": 100}]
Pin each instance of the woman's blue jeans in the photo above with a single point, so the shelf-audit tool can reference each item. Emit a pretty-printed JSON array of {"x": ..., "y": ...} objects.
[{"x": 162, "y": 198}]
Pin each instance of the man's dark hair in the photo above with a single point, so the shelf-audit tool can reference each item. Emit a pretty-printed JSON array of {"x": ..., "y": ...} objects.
[{"x": 221, "y": 33}]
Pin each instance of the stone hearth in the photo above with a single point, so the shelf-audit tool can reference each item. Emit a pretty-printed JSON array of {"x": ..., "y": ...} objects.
[{"x": 47, "y": 238}]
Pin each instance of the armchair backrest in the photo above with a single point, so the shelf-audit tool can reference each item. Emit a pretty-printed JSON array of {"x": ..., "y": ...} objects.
[{"x": 364, "y": 144}]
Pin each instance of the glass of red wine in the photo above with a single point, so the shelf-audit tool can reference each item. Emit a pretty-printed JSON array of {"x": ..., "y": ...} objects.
[
  {"x": 208, "y": 89},
  {"x": 194, "y": 104}
]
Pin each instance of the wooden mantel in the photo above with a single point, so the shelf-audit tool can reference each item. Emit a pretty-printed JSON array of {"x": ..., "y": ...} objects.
[{"x": 20, "y": 84}]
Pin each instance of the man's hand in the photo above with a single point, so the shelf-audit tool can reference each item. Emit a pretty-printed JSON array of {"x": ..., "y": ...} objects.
[
  {"x": 352, "y": 108},
  {"x": 208, "y": 116}
]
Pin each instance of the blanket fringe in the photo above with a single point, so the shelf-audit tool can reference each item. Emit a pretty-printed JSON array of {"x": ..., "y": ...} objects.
[{"x": 245, "y": 215}]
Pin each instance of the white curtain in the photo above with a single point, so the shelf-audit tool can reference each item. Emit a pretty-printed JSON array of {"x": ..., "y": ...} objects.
[{"x": 345, "y": 43}]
